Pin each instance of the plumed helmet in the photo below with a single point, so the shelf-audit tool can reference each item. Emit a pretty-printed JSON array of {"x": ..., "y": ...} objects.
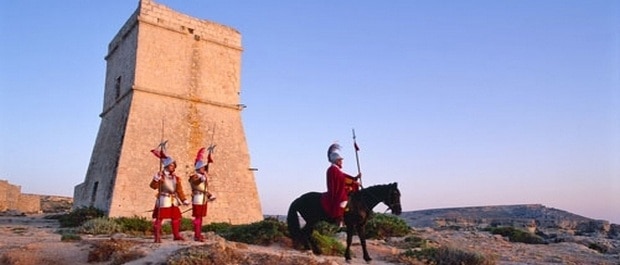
[
  {"x": 332, "y": 153},
  {"x": 334, "y": 156},
  {"x": 198, "y": 161},
  {"x": 167, "y": 161}
]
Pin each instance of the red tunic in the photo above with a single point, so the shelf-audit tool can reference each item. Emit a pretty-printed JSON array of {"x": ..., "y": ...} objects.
[{"x": 337, "y": 191}]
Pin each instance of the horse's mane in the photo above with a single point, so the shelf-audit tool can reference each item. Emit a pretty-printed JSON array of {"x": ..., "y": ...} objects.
[{"x": 377, "y": 188}]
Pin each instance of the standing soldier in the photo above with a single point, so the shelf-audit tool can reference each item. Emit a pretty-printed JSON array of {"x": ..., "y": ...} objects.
[
  {"x": 200, "y": 193},
  {"x": 169, "y": 196}
]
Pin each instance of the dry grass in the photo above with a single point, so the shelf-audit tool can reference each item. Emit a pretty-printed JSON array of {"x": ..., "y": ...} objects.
[{"x": 116, "y": 250}]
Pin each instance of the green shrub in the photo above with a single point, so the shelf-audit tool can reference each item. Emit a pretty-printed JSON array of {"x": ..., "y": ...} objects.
[
  {"x": 325, "y": 228},
  {"x": 77, "y": 217},
  {"x": 265, "y": 232},
  {"x": 328, "y": 245},
  {"x": 135, "y": 225},
  {"x": 98, "y": 226},
  {"x": 516, "y": 235},
  {"x": 186, "y": 225},
  {"x": 410, "y": 242},
  {"x": 70, "y": 237},
  {"x": 218, "y": 228},
  {"x": 448, "y": 255},
  {"x": 381, "y": 226}
]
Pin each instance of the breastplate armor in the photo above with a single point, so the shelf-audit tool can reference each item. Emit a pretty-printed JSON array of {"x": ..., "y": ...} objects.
[{"x": 168, "y": 185}]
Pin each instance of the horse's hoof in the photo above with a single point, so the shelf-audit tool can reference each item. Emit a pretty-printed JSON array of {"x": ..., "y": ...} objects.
[{"x": 368, "y": 260}]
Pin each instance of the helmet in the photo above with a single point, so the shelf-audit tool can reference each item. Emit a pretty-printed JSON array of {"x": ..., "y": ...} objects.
[
  {"x": 199, "y": 164},
  {"x": 334, "y": 156},
  {"x": 167, "y": 161}
]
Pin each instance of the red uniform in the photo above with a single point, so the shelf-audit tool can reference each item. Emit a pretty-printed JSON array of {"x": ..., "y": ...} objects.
[{"x": 339, "y": 185}]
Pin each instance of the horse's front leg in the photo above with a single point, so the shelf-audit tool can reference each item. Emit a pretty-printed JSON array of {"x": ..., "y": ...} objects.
[
  {"x": 347, "y": 252},
  {"x": 361, "y": 233}
]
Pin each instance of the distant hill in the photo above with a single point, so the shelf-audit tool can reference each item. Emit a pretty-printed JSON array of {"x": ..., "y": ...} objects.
[{"x": 530, "y": 216}]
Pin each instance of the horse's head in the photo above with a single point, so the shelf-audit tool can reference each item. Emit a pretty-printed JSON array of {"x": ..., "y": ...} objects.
[{"x": 392, "y": 199}]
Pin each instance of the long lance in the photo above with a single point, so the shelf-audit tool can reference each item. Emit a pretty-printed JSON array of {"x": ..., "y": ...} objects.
[
  {"x": 357, "y": 158},
  {"x": 162, "y": 145},
  {"x": 211, "y": 150}
]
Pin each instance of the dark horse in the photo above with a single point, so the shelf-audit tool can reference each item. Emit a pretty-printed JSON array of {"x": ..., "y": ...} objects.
[{"x": 359, "y": 210}]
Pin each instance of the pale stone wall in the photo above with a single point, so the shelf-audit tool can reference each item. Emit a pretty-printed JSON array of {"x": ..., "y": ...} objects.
[
  {"x": 182, "y": 74},
  {"x": 11, "y": 199},
  {"x": 9, "y": 196},
  {"x": 29, "y": 203}
]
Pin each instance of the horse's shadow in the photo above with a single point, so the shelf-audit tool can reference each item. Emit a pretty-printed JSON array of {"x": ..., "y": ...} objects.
[{"x": 359, "y": 210}]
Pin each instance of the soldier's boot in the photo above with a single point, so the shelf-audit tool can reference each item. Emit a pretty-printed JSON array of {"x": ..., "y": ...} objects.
[
  {"x": 198, "y": 229},
  {"x": 176, "y": 228},
  {"x": 157, "y": 230}
]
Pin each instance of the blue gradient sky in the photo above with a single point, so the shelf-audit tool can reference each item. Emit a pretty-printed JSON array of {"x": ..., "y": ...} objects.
[{"x": 463, "y": 103}]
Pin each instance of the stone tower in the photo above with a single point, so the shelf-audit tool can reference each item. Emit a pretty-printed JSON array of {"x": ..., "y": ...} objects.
[{"x": 170, "y": 76}]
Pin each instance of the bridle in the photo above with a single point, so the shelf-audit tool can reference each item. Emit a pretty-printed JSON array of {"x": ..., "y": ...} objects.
[{"x": 392, "y": 204}]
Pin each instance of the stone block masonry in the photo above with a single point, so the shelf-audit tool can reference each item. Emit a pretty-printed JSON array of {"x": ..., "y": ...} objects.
[
  {"x": 11, "y": 199},
  {"x": 174, "y": 77}
]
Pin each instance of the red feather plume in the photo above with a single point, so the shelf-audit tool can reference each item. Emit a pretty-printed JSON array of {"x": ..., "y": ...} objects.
[
  {"x": 200, "y": 155},
  {"x": 159, "y": 153}
]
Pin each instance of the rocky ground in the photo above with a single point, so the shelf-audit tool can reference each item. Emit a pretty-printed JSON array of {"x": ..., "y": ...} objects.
[{"x": 34, "y": 240}]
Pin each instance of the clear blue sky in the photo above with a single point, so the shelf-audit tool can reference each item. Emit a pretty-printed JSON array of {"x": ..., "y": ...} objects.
[{"x": 463, "y": 103}]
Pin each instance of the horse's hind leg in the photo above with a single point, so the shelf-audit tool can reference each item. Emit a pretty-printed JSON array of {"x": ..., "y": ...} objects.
[{"x": 308, "y": 242}]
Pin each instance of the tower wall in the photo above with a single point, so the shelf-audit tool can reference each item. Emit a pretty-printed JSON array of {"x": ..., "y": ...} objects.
[{"x": 174, "y": 77}]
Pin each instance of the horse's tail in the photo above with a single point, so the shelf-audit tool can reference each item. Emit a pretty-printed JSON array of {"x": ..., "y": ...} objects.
[{"x": 292, "y": 220}]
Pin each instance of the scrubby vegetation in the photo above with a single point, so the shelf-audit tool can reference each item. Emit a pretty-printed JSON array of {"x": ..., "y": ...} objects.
[
  {"x": 116, "y": 251},
  {"x": 516, "y": 235},
  {"x": 444, "y": 255},
  {"x": 382, "y": 226},
  {"x": 416, "y": 250},
  {"x": 135, "y": 225},
  {"x": 186, "y": 225},
  {"x": 70, "y": 237},
  {"x": 598, "y": 247},
  {"x": 264, "y": 232},
  {"x": 77, "y": 217},
  {"x": 100, "y": 225}
]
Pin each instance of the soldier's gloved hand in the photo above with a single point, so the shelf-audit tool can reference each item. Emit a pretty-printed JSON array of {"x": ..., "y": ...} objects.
[
  {"x": 343, "y": 204},
  {"x": 157, "y": 178},
  {"x": 185, "y": 202},
  {"x": 212, "y": 197},
  {"x": 203, "y": 178}
]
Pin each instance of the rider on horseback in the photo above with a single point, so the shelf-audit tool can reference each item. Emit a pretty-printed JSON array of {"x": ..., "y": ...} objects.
[{"x": 339, "y": 185}]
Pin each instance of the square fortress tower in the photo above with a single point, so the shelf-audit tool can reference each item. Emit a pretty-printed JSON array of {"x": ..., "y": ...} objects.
[{"x": 174, "y": 77}]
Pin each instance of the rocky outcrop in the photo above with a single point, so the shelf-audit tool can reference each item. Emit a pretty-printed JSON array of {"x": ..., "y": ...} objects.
[
  {"x": 553, "y": 225},
  {"x": 56, "y": 204}
]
